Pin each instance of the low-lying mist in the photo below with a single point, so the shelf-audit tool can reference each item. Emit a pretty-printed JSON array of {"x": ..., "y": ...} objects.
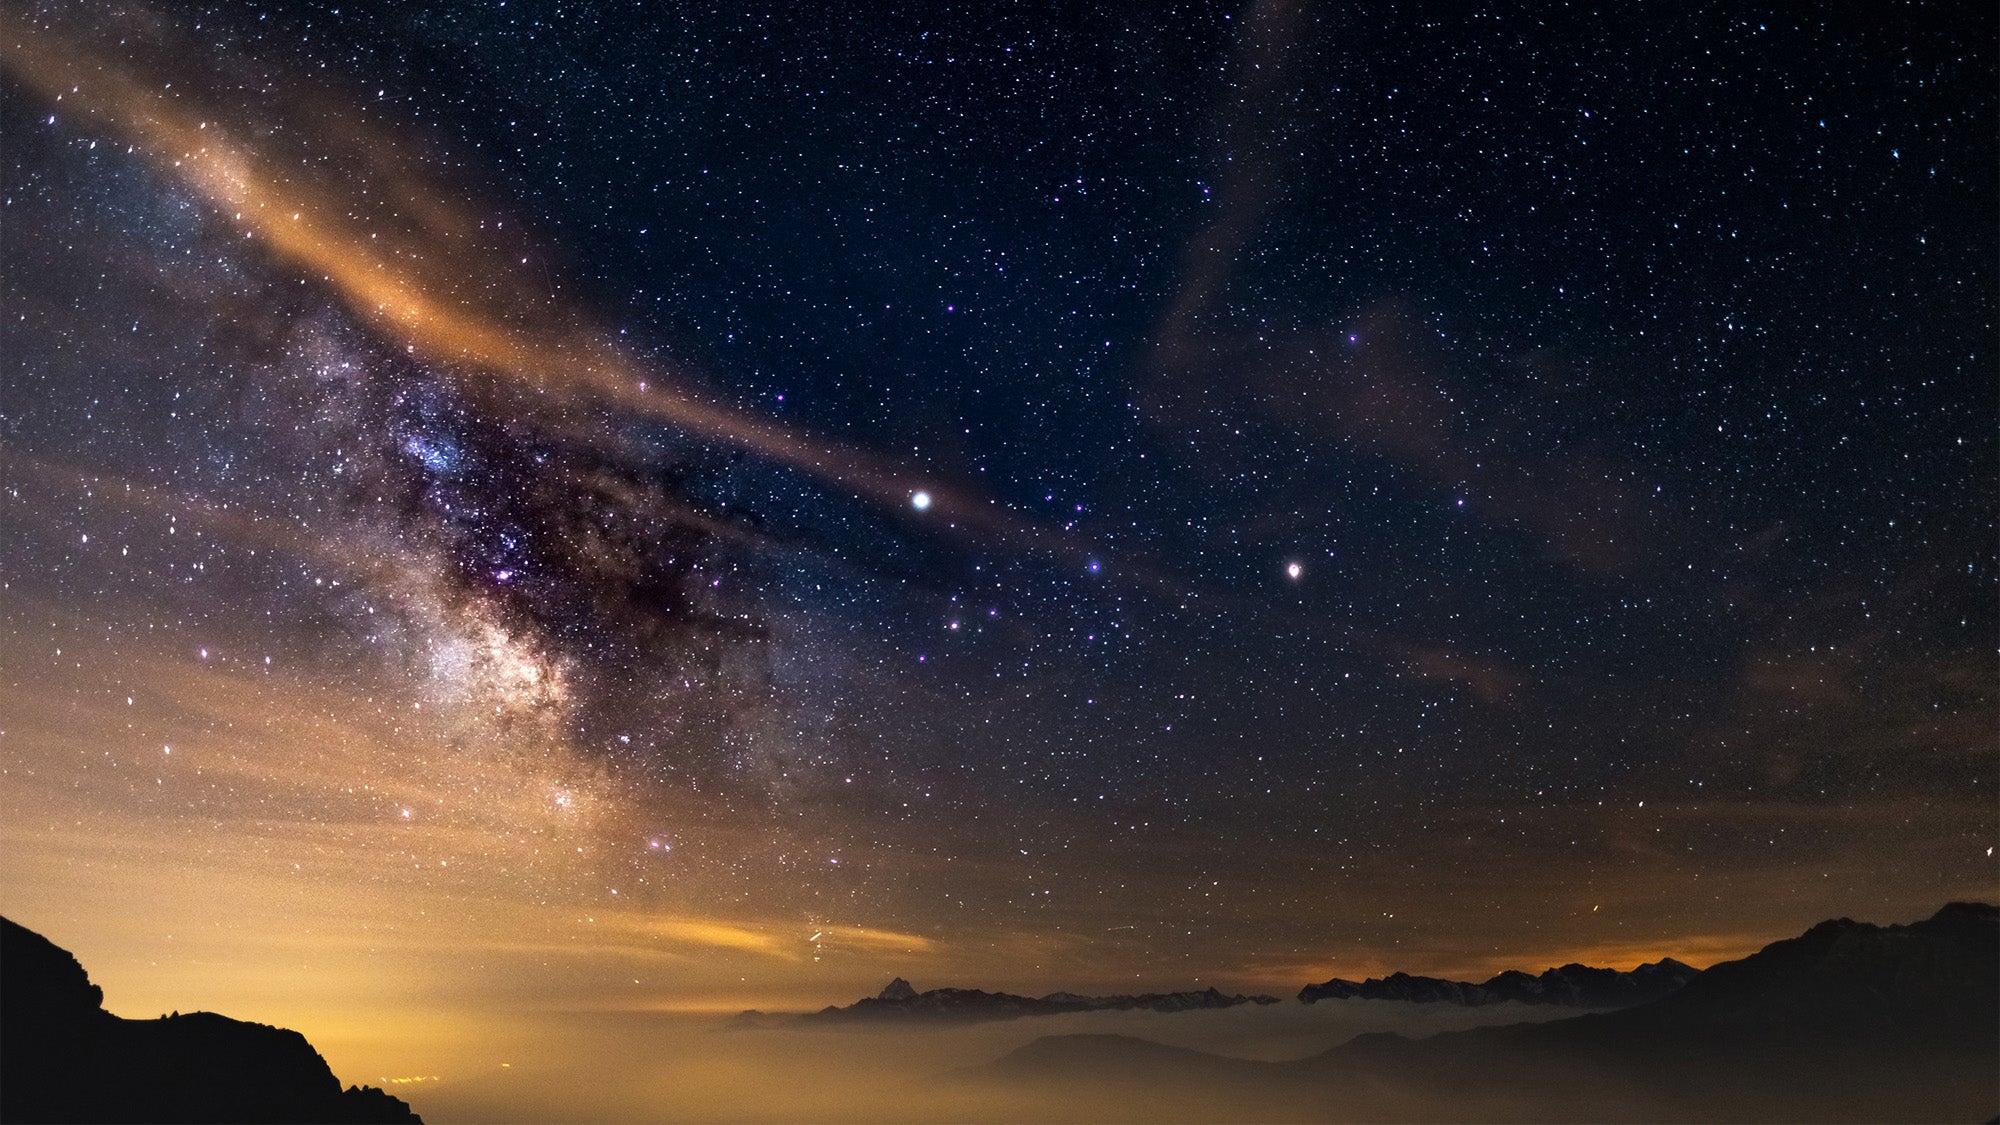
[{"x": 670, "y": 1066}]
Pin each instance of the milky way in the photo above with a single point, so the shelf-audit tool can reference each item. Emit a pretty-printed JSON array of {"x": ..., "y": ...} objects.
[{"x": 560, "y": 504}]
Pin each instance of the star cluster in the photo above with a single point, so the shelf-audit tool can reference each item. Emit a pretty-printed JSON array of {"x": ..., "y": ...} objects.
[{"x": 1163, "y": 492}]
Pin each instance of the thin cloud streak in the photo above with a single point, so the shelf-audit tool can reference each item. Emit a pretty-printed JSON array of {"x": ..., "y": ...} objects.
[{"x": 446, "y": 285}]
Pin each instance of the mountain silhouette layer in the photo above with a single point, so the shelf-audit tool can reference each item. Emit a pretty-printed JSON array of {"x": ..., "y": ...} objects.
[
  {"x": 1846, "y": 1022},
  {"x": 1577, "y": 986},
  {"x": 902, "y": 1002},
  {"x": 64, "y": 1058}
]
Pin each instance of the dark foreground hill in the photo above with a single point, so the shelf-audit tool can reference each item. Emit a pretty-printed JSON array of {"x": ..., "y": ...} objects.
[
  {"x": 64, "y": 1058},
  {"x": 1576, "y": 986},
  {"x": 900, "y": 1002},
  {"x": 1847, "y": 1022}
]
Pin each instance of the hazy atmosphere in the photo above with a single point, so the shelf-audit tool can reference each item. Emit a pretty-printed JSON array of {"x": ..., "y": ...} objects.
[{"x": 531, "y": 528}]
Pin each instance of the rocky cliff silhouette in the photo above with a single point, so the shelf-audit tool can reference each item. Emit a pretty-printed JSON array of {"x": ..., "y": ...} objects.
[
  {"x": 64, "y": 1058},
  {"x": 1846, "y": 1022},
  {"x": 1576, "y": 986}
]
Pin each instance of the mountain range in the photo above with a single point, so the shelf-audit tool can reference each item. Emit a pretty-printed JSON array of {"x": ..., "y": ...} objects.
[
  {"x": 900, "y": 1001},
  {"x": 67, "y": 1059},
  {"x": 1848, "y": 1021},
  {"x": 1574, "y": 985},
  {"x": 1577, "y": 986}
]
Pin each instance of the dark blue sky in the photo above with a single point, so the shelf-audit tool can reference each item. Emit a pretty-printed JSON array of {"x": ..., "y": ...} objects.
[{"x": 1620, "y": 384}]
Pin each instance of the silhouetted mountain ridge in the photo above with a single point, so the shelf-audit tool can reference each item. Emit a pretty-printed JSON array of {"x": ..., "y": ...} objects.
[
  {"x": 1937, "y": 977},
  {"x": 67, "y": 1059},
  {"x": 901, "y": 1001},
  {"x": 1579, "y": 986},
  {"x": 1847, "y": 1021}
]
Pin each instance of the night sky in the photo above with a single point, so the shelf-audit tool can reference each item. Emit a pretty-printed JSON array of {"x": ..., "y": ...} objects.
[{"x": 665, "y": 506}]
